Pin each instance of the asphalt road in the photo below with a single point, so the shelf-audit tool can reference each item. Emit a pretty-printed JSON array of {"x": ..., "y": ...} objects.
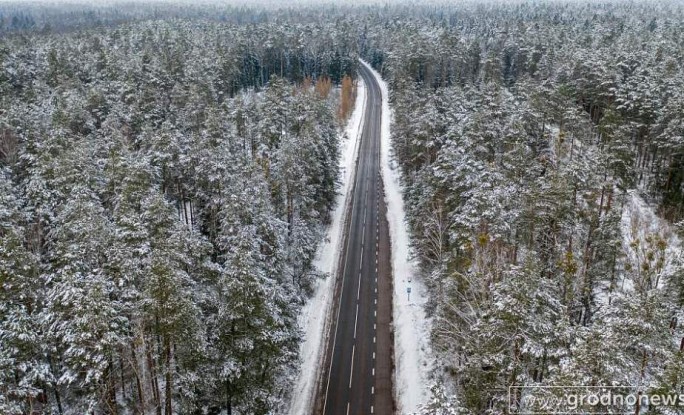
[{"x": 359, "y": 356}]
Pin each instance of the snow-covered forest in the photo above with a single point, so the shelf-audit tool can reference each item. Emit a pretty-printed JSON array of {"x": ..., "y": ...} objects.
[
  {"x": 167, "y": 173},
  {"x": 164, "y": 187},
  {"x": 522, "y": 131}
]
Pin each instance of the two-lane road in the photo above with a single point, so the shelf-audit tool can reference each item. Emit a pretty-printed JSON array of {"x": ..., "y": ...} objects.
[{"x": 359, "y": 357}]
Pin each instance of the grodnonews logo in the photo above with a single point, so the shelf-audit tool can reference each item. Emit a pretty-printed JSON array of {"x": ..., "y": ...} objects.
[{"x": 588, "y": 400}]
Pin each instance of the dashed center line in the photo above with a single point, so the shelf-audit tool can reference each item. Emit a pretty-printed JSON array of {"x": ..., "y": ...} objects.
[
  {"x": 358, "y": 290},
  {"x": 351, "y": 373},
  {"x": 356, "y": 320}
]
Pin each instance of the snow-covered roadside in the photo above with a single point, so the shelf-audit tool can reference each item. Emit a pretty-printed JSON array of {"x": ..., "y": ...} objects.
[
  {"x": 314, "y": 316},
  {"x": 412, "y": 352}
]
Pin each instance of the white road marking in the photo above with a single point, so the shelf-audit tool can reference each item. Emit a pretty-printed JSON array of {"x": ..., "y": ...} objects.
[
  {"x": 348, "y": 409},
  {"x": 372, "y": 390},
  {"x": 373, "y": 342},
  {"x": 358, "y": 290},
  {"x": 356, "y": 319},
  {"x": 351, "y": 373}
]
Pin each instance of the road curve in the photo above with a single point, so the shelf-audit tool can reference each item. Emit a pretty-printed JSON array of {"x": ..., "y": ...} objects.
[{"x": 357, "y": 377}]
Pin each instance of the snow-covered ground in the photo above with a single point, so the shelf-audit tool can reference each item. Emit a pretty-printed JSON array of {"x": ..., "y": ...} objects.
[
  {"x": 314, "y": 318},
  {"x": 640, "y": 223},
  {"x": 412, "y": 354}
]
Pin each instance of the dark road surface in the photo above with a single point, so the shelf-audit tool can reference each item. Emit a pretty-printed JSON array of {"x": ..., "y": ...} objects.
[{"x": 358, "y": 372}]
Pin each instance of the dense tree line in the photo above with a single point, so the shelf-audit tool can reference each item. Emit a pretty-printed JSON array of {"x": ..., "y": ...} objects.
[
  {"x": 162, "y": 191},
  {"x": 28, "y": 17},
  {"x": 519, "y": 130}
]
